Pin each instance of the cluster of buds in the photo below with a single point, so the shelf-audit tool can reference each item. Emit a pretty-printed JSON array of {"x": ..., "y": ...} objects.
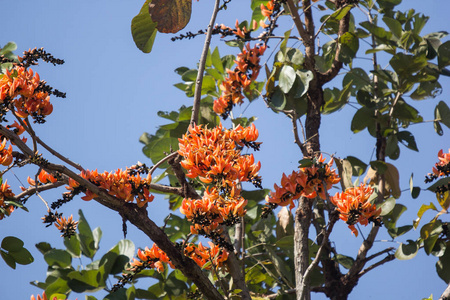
[
  {"x": 5, "y": 196},
  {"x": 126, "y": 185},
  {"x": 66, "y": 226},
  {"x": 354, "y": 207},
  {"x": 239, "y": 79},
  {"x": 308, "y": 182},
  {"x": 43, "y": 297}
]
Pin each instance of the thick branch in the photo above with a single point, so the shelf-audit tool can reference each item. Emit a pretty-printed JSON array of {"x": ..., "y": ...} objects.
[
  {"x": 301, "y": 248},
  {"x": 446, "y": 294}
]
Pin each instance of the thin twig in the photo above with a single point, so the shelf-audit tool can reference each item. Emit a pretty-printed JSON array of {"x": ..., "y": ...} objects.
[
  {"x": 388, "y": 258},
  {"x": 201, "y": 67},
  {"x": 171, "y": 155}
]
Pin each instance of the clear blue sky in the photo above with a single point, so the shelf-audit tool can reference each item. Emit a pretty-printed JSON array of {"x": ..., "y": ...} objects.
[{"x": 113, "y": 94}]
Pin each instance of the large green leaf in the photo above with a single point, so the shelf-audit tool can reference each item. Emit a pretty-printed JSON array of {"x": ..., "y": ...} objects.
[
  {"x": 12, "y": 243},
  {"x": 287, "y": 78},
  {"x": 85, "y": 236},
  {"x": 171, "y": 15},
  {"x": 362, "y": 119},
  {"x": 86, "y": 280},
  {"x": 442, "y": 265},
  {"x": 58, "y": 257},
  {"x": 143, "y": 29}
]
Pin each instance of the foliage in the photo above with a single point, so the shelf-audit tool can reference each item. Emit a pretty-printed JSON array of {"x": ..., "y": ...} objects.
[{"x": 203, "y": 165}]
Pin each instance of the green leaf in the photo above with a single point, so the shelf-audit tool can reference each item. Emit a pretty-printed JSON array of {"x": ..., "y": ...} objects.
[
  {"x": 11, "y": 243},
  {"x": 59, "y": 286},
  {"x": 143, "y": 29},
  {"x": 9, "y": 260},
  {"x": 442, "y": 113},
  {"x": 406, "y": 65},
  {"x": 287, "y": 78},
  {"x": 407, "y": 139},
  {"x": 22, "y": 256},
  {"x": 43, "y": 247},
  {"x": 362, "y": 119},
  {"x": 286, "y": 242},
  {"x": 358, "y": 166},
  {"x": 216, "y": 61},
  {"x": 439, "y": 183},
  {"x": 58, "y": 257},
  {"x": 407, "y": 251},
  {"x": 444, "y": 55},
  {"x": 387, "y": 206},
  {"x": 394, "y": 25},
  {"x": 85, "y": 236},
  {"x": 278, "y": 99},
  {"x": 341, "y": 12},
  {"x": 171, "y": 15},
  {"x": 442, "y": 266},
  {"x": 346, "y": 261},
  {"x": 358, "y": 79},
  {"x": 73, "y": 245},
  {"x": 349, "y": 47},
  {"x": 86, "y": 280},
  {"x": 97, "y": 235},
  {"x": 427, "y": 89}
]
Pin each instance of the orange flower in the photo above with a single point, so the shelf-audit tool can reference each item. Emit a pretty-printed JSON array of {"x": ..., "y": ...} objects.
[
  {"x": 354, "y": 207},
  {"x": 202, "y": 255},
  {"x": 267, "y": 11},
  {"x": 154, "y": 257},
  {"x": 308, "y": 182},
  {"x": 214, "y": 155},
  {"x": 44, "y": 297},
  {"x": 5, "y": 194},
  {"x": 6, "y": 157},
  {"x": 126, "y": 185},
  {"x": 442, "y": 168},
  {"x": 239, "y": 79}
]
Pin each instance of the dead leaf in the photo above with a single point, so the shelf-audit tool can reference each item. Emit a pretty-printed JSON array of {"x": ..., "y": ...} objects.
[{"x": 171, "y": 15}]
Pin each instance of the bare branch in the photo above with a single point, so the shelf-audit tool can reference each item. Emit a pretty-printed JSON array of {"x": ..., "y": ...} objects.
[
  {"x": 297, "y": 21},
  {"x": 33, "y": 189},
  {"x": 388, "y": 258},
  {"x": 201, "y": 67},
  {"x": 446, "y": 294}
]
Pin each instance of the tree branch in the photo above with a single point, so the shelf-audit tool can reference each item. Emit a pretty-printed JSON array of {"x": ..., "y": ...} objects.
[{"x": 201, "y": 67}]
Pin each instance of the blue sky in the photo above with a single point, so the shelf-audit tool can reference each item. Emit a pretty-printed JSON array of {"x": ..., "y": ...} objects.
[{"x": 113, "y": 94}]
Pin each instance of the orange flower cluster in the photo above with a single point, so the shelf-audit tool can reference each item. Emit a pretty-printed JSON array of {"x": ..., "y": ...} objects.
[
  {"x": 125, "y": 185},
  {"x": 214, "y": 155},
  {"x": 307, "y": 182},
  {"x": 267, "y": 10},
  {"x": 212, "y": 210},
  {"x": 20, "y": 86},
  {"x": 239, "y": 80},
  {"x": 43, "y": 177},
  {"x": 5, "y": 195},
  {"x": 354, "y": 207},
  {"x": 154, "y": 257},
  {"x": 203, "y": 255},
  {"x": 442, "y": 168},
  {"x": 6, "y": 157}
]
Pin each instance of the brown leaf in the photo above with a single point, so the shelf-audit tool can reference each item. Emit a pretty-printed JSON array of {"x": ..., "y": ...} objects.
[{"x": 171, "y": 15}]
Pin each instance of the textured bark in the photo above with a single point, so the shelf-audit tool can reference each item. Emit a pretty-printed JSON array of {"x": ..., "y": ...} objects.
[{"x": 301, "y": 249}]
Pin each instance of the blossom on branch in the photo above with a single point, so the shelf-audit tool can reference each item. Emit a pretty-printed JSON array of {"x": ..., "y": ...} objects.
[
  {"x": 308, "y": 182},
  {"x": 354, "y": 207},
  {"x": 5, "y": 195},
  {"x": 239, "y": 79}
]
